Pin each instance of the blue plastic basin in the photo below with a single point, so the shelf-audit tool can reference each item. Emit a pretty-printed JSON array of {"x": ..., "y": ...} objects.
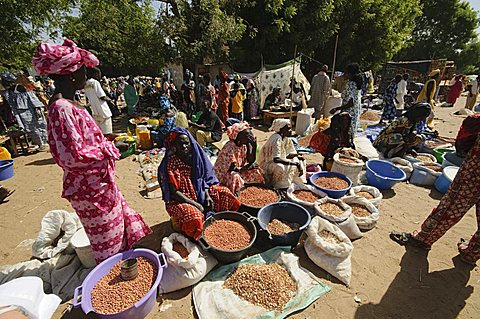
[
  {"x": 330, "y": 192},
  {"x": 6, "y": 169},
  {"x": 383, "y": 174},
  {"x": 288, "y": 212}
]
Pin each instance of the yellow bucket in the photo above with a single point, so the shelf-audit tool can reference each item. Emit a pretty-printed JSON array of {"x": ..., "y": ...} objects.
[{"x": 4, "y": 154}]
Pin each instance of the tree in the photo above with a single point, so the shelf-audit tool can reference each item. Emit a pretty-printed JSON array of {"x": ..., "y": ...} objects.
[
  {"x": 468, "y": 60},
  {"x": 444, "y": 29},
  {"x": 22, "y": 24},
  {"x": 121, "y": 33}
]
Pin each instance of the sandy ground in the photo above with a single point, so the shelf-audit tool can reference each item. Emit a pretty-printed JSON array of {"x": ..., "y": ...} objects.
[{"x": 391, "y": 282}]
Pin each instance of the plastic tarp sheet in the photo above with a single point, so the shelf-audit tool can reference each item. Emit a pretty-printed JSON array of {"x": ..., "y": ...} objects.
[{"x": 212, "y": 301}]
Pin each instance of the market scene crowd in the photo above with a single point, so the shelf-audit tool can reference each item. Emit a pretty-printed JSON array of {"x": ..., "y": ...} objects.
[{"x": 269, "y": 183}]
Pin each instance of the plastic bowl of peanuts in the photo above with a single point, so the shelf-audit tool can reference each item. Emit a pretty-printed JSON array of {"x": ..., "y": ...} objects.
[
  {"x": 105, "y": 293},
  {"x": 335, "y": 185}
]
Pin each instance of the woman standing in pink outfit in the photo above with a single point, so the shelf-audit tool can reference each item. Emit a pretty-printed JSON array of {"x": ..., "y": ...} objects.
[{"x": 85, "y": 155}]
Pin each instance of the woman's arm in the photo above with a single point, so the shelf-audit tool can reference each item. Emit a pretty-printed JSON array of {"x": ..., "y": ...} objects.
[{"x": 178, "y": 196}]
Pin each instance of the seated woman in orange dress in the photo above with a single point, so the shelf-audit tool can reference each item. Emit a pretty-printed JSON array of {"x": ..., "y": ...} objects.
[
  {"x": 189, "y": 186},
  {"x": 235, "y": 164}
]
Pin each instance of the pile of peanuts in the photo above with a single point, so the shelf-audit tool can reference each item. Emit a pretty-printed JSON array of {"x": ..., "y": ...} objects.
[
  {"x": 306, "y": 196},
  {"x": 227, "y": 234},
  {"x": 329, "y": 237},
  {"x": 366, "y": 195},
  {"x": 360, "y": 210},
  {"x": 269, "y": 285},
  {"x": 333, "y": 183},
  {"x": 254, "y": 196},
  {"x": 112, "y": 294},
  {"x": 181, "y": 250},
  {"x": 332, "y": 208},
  {"x": 280, "y": 227}
]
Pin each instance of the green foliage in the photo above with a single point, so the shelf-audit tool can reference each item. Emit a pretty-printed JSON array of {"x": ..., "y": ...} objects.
[
  {"x": 22, "y": 23},
  {"x": 444, "y": 29},
  {"x": 121, "y": 33},
  {"x": 468, "y": 60}
]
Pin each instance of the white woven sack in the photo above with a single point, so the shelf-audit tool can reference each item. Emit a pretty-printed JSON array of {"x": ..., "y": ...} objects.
[
  {"x": 403, "y": 164},
  {"x": 375, "y": 192},
  {"x": 368, "y": 222},
  {"x": 351, "y": 170},
  {"x": 345, "y": 221},
  {"x": 412, "y": 159},
  {"x": 425, "y": 176},
  {"x": 183, "y": 272},
  {"x": 335, "y": 258},
  {"x": 296, "y": 186}
]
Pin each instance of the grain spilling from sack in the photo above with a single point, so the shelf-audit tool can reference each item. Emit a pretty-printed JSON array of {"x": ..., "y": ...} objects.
[
  {"x": 360, "y": 210},
  {"x": 269, "y": 286},
  {"x": 279, "y": 227},
  {"x": 112, "y": 294},
  {"x": 226, "y": 234},
  {"x": 180, "y": 249},
  {"x": 257, "y": 196},
  {"x": 332, "y": 209},
  {"x": 366, "y": 195},
  {"x": 329, "y": 237},
  {"x": 306, "y": 196},
  {"x": 334, "y": 183}
]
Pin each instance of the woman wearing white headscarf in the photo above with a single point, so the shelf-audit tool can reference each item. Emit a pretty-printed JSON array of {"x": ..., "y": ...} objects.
[{"x": 278, "y": 158}]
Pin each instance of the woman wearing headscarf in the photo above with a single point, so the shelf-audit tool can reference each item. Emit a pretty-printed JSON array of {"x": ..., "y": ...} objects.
[
  {"x": 351, "y": 95},
  {"x": 278, "y": 158},
  {"x": 85, "y": 155},
  {"x": 235, "y": 164},
  {"x": 456, "y": 89},
  {"x": 27, "y": 109},
  {"x": 223, "y": 97},
  {"x": 338, "y": 135},
  {"x": 427, "y": 94},
  {"x": 401, "y": 135},
  {"x": 389, "y": 98},
  {"x": 168, "y": 117},
  {"x": 460, "y": 197},
  {"x": 131, "y": 96},
  {"x": 189, "y": 186}
]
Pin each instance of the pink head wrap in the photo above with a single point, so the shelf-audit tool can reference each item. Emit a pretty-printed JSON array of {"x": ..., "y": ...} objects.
[
  {"x": 62, "y": 59},
  {"x": 236, "y": 128}
]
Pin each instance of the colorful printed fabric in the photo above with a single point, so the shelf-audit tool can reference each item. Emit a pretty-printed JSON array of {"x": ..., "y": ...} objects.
[
  {"x": 467, "y": 135},
  {"x": 223, "y": 101},
  {"x": 351, "y": 92},
  {"x": 188, "y": 218},
  {"x": 394, "y": 136},
  {"x": 460, "y": 197},
  {"x": 389, "y": 110},
  {"x": 88, "y": 161},
  {"x": 62, "y": 59},
  {"x": 232, "y": 131},
  {"x": 237, "y": 155}
]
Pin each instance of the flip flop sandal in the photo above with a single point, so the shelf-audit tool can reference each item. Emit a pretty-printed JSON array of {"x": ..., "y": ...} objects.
[
  {"x": 460, "y": 243},
  {"x": 407, "y": 239}
]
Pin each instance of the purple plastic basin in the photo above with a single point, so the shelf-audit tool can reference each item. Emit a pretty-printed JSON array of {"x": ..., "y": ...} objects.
[{"x": 138, "y": 311}]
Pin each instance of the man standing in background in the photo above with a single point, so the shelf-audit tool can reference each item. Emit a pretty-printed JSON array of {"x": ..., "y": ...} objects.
[
  {"x": 319, "y": 91},
  {"x": 402, "y": 91},
  {"x": 97, "y": 99}
]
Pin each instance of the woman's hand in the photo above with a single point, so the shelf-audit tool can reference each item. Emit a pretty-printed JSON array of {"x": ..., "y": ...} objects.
[{"x": 208, "y": 201}]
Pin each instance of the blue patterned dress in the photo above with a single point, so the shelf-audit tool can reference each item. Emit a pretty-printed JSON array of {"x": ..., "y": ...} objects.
[
  {"x": 351, "y": 92},
  {"x": 389, "y": 110}
]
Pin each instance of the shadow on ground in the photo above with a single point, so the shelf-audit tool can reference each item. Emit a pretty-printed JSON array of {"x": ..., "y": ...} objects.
[{"x": 417, "y": 293}]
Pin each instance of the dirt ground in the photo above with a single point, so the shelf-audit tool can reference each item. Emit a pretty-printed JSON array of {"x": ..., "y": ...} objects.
[{"x": 390, "y": 281}]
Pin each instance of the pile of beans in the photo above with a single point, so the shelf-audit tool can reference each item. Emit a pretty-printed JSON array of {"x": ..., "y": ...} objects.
[
  {"x": 332, "y": 209},
  {"x": 269, "y": 286},
  {"x": 329, "y": 237},
  {"x": 332, "y": 182},
  {"x": 348, "y": 160},
  {"x": 112, "y": 294},
  {"x": 423, "y": 158},
  {"x": 227, "y": 234},
  {"x": 181, "y": 250},
  {"x": 360, "y": 210},
  {"x": 306, "y": 196},
  {"x": 433, "y": 167},
  {"x": 255, "y": 196},
  {"x": 366, "y": 195},
  {"x": 280, "y": 227}
]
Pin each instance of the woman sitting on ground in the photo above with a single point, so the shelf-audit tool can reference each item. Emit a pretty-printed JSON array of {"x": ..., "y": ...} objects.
[
  {"x": 278, "y": 158},
  {"x": 235, "y": 164},
  {"x": 400, "y": 136},
  {"x": 338, "y": 135},
  {"x": 189, "y": 186}
]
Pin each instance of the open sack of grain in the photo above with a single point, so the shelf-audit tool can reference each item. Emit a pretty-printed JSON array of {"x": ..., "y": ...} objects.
[
  {"x": 267, "y": 285},
  {"x": 330, "y": 249},
  {"x": 340, "y": 214},
  {"x": 403, "y": 164},
  {"x": 187, "y": 264},
  {"x": 365, "y": 213},
  {"x": 372, "y": 194},
  {"x": 303, "y": 194}
]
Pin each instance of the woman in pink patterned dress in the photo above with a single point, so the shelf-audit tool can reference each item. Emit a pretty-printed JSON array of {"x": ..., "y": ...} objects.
[
  {"x": 235, "y": 163},
  {"x": 85, "y": 155}
]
